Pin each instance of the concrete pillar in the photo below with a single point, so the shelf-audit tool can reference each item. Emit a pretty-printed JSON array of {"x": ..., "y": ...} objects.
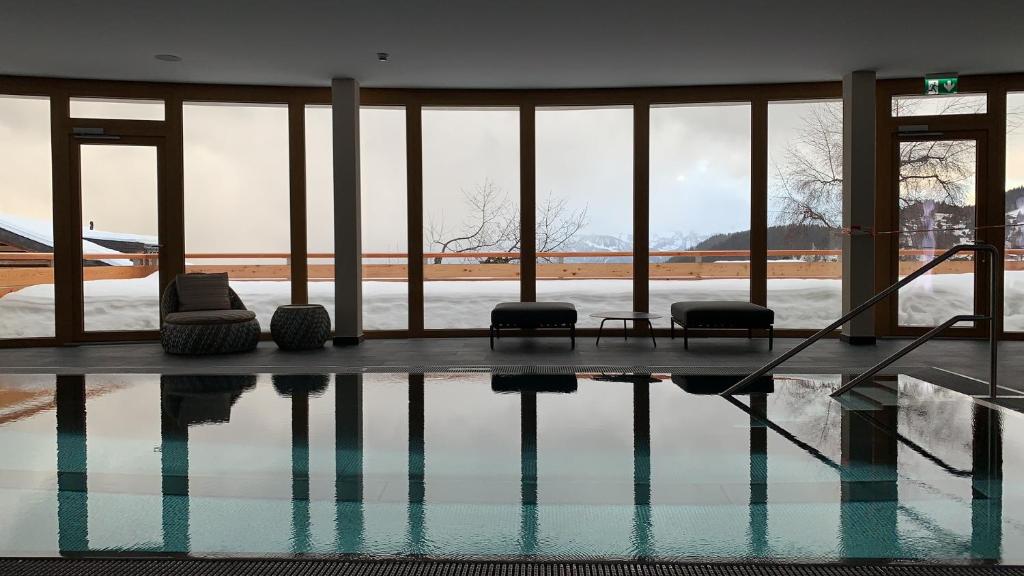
[
  {"x": 858, "y": 202},
  {"x": 348, "y": 271}
]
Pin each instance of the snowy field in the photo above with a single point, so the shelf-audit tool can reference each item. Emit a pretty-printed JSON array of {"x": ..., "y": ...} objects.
[{"x": 133, "y": 304}]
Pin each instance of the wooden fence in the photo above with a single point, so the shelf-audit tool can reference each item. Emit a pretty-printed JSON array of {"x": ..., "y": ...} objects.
[{"x": 386, "y": 266}]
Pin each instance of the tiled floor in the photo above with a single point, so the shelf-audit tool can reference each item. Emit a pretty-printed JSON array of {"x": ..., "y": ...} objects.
[{"x": 967, "y": 357}]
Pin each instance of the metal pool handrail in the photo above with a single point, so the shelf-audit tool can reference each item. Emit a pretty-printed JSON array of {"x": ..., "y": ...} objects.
[{"x": 993, "y": 347}]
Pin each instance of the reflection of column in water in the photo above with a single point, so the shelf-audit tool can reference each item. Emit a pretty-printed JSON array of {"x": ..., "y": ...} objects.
[
  {"x": 987, "y": 485},
  {"x": 868, "y": 489},
  {"x": 299, "y": 387},
  {"x": 528, "y": 521},
  {"x": 642, "y": 469},
  {"x": 72, "y": 484},
  {"x": 417, "y": 463},
  {"x": 348, "y": 462},
  {"x": 173, "y": 476},
  {"x": 758, "y": 504}
]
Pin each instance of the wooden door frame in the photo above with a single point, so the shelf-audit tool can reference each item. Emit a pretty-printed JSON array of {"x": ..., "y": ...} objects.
[{"x": 136, "y": 133}]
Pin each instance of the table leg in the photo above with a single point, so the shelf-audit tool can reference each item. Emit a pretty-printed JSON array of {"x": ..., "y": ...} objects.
[
  {"x": 599, "y": 329},
  {"x": 625, "y": 334},
  {"x": 651, "y": 328}
]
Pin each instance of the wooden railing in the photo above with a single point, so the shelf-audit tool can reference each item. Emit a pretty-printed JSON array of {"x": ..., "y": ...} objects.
[{"x": 19, "y": 270}]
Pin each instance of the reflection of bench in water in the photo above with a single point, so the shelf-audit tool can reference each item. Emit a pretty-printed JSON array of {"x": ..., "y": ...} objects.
[
  {"x": 720, "y": 383},
  {"x": 511, "y": 383}
]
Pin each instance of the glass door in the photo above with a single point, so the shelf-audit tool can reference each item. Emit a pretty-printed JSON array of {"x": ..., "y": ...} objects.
[
  {"x": 938, "y": 190},
  {"x": 119, "y": 184}
]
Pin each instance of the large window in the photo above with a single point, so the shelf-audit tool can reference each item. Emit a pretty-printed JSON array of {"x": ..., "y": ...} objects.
[
  {"x": 584, "y": 162},
  {"x": 26, "y": 219},
  {"x": 320, "y": 207},
  {"x": 1013, "y": 279},
  {"x": 805, "y": 212},
  {"x": 699, "y": 204},
  {"x": 236, "y": 199},
  {"x": 385, "y": 245},
  {"x": 470, "y": 214}
]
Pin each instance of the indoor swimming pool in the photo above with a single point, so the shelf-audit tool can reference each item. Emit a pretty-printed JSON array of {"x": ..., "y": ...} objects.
[{"x": 481, "y": 465}]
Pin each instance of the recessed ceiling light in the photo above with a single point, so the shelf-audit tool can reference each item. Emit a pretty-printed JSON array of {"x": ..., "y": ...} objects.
[
  {"x": 168, "y": 57},
  {"x": 383, "y": 56}
]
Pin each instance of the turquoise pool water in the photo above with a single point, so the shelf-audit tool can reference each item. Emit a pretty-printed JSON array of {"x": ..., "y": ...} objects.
[{"x": 470, "y": 465}]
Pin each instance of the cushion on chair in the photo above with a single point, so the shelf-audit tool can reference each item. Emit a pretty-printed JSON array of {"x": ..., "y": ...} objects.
[
  {"x": 206, "y": 317},
  {"x": 533, "y": 314},
  {"x": 723, "y": 314},
  {"x": 198, "y": 291}
]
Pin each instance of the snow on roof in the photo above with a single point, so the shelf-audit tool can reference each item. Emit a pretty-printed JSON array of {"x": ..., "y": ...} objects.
[
  {"x": 41, "y": 231},
  {"x": 119, "y": 236}
]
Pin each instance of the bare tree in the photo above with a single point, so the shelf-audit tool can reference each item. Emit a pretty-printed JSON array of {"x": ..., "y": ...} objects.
[
  {"x": 556, "y": 224},
  {"x": 810, "y": 176},
  {"x": 809, "y": 179},
  {"x": 492, "y": 225},
  {"x": 936, "y": 170},
  {"x": 492, "y": 218}
]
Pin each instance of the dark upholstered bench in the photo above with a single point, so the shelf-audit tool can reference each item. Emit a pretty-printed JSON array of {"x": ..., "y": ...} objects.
[
  {"x": 530, "y": 315},
  {"x": 724, "y": 314}
]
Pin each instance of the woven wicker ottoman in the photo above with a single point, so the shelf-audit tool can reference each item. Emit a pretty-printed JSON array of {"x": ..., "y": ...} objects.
[
  {"x": 213, "y": 332},
  {"x": 300, "y": 326}
]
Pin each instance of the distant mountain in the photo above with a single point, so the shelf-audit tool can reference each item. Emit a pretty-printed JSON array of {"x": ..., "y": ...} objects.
[
  {"x": 676, "y": 241},
  {"x": 788, "y": 237},
  {"x": 599, "y": 243},
  {"x": 925, "y": 224}
]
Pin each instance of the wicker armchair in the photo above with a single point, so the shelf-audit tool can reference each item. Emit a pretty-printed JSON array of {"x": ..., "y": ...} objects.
[{"x": 206, "y": 331}]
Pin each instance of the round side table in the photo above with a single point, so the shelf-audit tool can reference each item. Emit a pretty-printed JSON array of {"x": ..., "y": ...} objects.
[
  {"x": 300, "y": 326},
  {"x": 643, "y": 317}
]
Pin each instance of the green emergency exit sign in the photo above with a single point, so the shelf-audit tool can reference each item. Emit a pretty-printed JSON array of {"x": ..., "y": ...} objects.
[{"x": 939, "y": 85}]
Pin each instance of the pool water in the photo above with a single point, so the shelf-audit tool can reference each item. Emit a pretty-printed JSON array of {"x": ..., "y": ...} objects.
[{"x": 479, "y": 465}]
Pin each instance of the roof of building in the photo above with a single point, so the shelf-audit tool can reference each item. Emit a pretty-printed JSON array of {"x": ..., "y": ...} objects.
[{"x": 41, "y": 232}]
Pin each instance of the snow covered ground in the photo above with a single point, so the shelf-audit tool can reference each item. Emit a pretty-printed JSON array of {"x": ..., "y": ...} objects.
[{"x": 133, "y": 304}]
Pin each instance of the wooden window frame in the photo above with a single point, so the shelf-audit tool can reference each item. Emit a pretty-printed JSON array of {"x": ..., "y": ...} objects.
[{"x": 174, "y": 95}]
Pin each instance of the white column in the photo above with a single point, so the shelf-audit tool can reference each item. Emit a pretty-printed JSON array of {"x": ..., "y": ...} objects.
[
  {"x": 348, "y": 271},
  {"x": 859, "y": 202}
]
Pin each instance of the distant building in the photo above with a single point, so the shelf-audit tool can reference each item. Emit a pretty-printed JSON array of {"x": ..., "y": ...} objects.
[{"x": 25, "y": 235}]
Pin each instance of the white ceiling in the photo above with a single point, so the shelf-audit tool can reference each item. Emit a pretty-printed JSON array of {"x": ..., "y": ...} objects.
[{"x": 510, "y": 44}]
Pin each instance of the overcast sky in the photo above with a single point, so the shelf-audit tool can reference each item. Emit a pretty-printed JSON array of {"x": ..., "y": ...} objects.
[{"x": 236, "y": 169}]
